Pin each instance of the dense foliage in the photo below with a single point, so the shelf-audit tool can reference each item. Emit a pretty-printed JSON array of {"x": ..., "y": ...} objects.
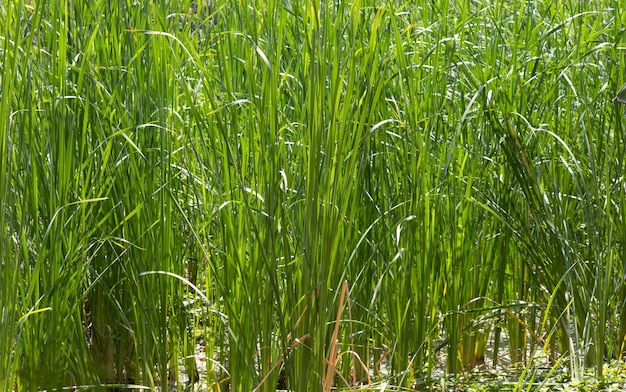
[{"x": 309, "y": 194}]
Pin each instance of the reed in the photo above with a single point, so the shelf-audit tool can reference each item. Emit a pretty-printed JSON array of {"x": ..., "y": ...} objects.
[{"x": 316, "y": 194}]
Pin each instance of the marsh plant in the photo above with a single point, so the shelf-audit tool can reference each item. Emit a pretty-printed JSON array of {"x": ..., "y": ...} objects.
[{"x": 312, "y": 194}]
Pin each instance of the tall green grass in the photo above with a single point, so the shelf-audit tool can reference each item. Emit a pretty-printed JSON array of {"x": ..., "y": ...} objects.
[{"x": 314, "y": 194}]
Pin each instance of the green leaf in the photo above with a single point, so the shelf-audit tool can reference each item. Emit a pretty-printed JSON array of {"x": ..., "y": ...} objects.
[{"x": 621, "y": 95}]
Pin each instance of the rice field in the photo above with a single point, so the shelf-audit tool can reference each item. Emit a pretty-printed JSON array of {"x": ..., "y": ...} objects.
[{"x": 310, "y": 195}]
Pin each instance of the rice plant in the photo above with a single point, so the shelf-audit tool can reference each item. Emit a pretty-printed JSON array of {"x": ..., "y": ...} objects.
[{"x": 309, "y": 195}]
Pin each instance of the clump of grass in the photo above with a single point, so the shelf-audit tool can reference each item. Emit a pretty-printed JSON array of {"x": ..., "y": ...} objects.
[{"x": 453, "y": 169}]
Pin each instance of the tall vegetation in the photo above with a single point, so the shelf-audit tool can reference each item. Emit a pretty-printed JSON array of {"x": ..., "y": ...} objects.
[{"x": 314, "y": 194}]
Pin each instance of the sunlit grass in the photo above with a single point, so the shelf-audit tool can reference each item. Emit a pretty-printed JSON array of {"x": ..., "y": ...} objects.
[{"x": 312, "y": 194}]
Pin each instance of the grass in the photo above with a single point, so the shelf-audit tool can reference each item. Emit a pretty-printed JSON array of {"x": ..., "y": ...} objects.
[{"x": 315, "y": 194}]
